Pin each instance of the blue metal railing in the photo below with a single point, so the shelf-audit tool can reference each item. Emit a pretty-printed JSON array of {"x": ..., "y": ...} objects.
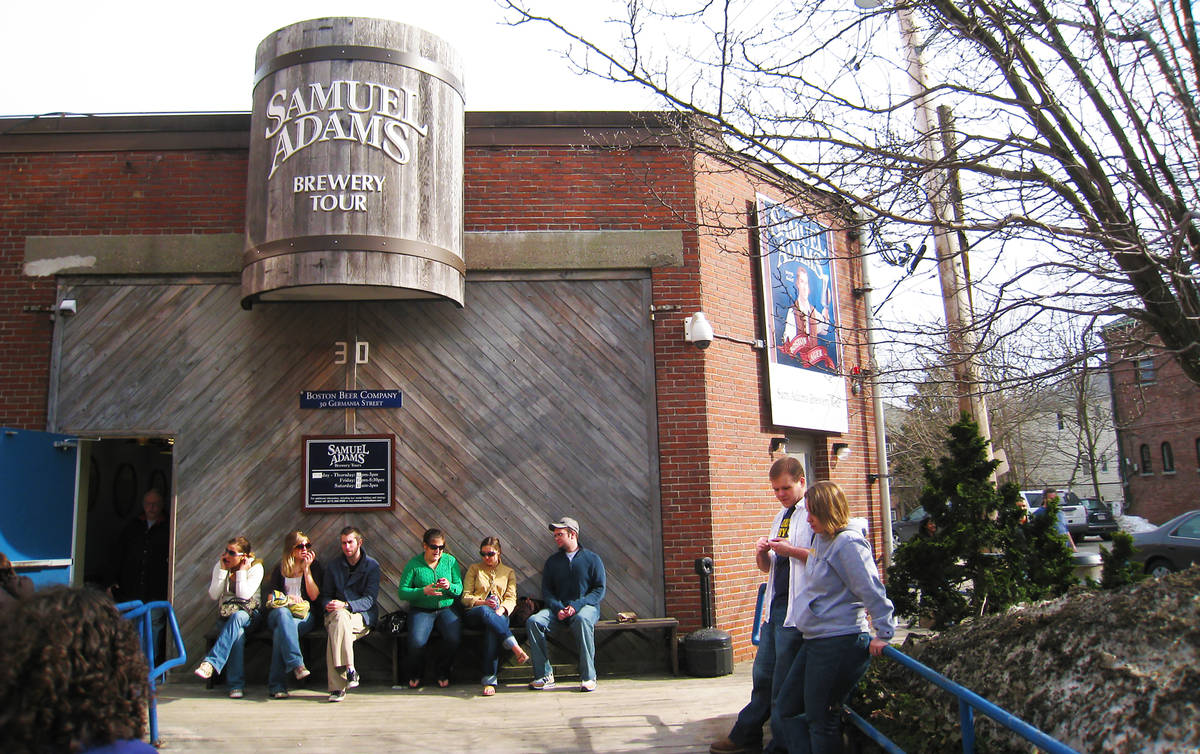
[
  {"x": 968, "y": 702},
  {"x": 140, "y": 613}
]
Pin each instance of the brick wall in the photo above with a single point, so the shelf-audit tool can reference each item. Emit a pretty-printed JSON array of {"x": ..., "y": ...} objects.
[{"x": 1166, "y": 410}]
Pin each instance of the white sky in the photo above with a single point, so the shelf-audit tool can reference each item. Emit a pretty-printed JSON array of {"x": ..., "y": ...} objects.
[{"x": 137, "y": 56}]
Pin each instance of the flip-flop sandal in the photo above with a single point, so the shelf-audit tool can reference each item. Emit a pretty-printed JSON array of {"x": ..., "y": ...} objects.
[
  {"x": 443, "y": 683},
  {"x": 489, "y": 690},
  {"x": 414, "y": 684}
]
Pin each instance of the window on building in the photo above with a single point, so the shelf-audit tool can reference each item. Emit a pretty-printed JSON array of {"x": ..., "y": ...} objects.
[
  {"x": 1060, "y": 420},
  {"x": 1168, "y": 458},
  {"x": 1104, "y": 459},
  {"x": 1147, "y": 465},
  {"x": 1145, "y": 371}
]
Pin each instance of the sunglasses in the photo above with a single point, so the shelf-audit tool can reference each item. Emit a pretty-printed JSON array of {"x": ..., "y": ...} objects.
[
  {"x": 303, "y": 546},
  {"x": 232, "y": 553},
  {"x": 488, "y": 553},
  {"x": 436, "y": 547}
]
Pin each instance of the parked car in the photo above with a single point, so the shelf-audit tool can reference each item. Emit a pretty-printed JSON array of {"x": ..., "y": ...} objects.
[
  {"x": 1073, "y": 510},
  {"x": 1171, "y": 547},
  {"x": 1100, "y": 519},
  {"x": 904, "y": 529}
]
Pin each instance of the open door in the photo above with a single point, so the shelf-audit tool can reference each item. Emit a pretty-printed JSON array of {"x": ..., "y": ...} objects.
[{"x": 39, "y": 474}]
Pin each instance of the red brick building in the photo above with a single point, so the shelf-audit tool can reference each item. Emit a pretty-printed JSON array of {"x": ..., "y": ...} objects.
[
  {"x": 1156, "y": 410},
  {"x": 587, "y": 235}
]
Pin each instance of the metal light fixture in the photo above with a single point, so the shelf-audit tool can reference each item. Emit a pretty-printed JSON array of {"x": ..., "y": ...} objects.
[
  {"x": 841, "y": 451},
  {"x": 778, "y": 445}
]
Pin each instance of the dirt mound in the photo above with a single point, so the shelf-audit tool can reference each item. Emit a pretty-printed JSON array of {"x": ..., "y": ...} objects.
[{"x": 1111, "y": 671}]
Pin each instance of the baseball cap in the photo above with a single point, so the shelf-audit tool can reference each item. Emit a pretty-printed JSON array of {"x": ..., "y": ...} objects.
[{"x": 566, "y": 522}]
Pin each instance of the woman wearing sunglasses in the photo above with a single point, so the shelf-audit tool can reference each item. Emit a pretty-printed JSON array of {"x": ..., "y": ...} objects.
[
  {"x": 236, "y": 578},
  {"x": 490, "y": 595},
  {"x": 298, "y": 579},
  {"x": 429, "y": 584}
]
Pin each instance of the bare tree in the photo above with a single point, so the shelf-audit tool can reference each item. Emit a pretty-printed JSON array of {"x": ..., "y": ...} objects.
[{"x": 1071, "y": 157}]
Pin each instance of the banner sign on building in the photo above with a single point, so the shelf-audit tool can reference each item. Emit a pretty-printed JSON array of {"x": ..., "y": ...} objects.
[
  {"x": 348, "y": 472},
  {"x": 351, "y": 399},
  {"x": 800, "y": 309}
]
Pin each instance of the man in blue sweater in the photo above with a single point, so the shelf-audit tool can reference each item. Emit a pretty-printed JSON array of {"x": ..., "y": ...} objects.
[{"x": 572, "y": 587}]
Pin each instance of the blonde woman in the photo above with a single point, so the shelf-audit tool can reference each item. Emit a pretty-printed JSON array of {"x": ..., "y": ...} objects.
[
  {"x": 490, "y": 595},
  {"x": 236, "y": 578},
  {"x": 829, "y": 607},
  {"x": 298, "y": 576}
]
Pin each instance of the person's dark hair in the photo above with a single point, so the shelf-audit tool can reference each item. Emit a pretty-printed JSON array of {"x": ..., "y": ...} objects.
[
  {"x": 789, "y": 465},
  {"x": 72, "y": 674},
  {"x": 352, "y": 530},
  {"x": 432, "y": 534}
]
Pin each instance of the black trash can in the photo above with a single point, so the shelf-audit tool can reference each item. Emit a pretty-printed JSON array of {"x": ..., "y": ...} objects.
[{"x": 709, "y": 651}]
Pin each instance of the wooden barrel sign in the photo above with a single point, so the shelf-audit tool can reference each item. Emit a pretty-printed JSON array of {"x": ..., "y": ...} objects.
[{"x": 355, "y": 185}]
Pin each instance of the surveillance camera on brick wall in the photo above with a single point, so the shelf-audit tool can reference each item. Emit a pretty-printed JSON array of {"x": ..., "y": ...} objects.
[
  {"x": 66, "y": 307},
  {"x": 696, "y": 330}
]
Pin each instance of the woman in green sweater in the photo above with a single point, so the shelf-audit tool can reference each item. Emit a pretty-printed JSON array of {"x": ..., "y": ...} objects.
[{"x": 430, "y": 583}]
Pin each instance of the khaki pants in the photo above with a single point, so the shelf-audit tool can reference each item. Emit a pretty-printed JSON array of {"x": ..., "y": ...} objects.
[{"x": 342, "y": 628}]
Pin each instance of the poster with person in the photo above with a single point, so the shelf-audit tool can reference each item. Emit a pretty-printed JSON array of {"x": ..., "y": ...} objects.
[{"x": 799, "y": 287}]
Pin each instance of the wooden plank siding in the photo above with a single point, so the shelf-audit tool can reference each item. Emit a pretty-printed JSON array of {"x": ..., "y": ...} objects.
[{"x": 535, "y": 401}]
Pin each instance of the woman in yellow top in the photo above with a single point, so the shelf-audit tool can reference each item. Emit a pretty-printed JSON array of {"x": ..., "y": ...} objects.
[{"x": 490, "y": 595}]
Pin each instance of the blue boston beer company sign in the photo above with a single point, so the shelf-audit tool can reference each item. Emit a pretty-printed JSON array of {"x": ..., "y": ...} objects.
[{"x": 350, "y": 399}]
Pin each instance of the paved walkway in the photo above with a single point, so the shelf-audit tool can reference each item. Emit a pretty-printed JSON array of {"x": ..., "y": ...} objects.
[{"x": 655, "y": 713}]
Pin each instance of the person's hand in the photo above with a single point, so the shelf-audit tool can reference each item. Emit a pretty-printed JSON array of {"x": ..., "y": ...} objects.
[
  {"x": 492, "y": 601},
  {"x": 762, "y": 544},
  {"x": 442, "y": 583},
  {"x": 431, "y": 590},
  {"x": 876, "y": 647},
  {"x": 779, "y": 546},
  {"x": 307, "y": 557},
  {"x": 334, "y": 605},
  {"x": 566, "y": 612}
]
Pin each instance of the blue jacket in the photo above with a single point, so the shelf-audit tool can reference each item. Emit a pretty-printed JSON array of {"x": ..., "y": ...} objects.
[
  {"x": 576, "y": 582},
  {"x": 360, "y": 589}
]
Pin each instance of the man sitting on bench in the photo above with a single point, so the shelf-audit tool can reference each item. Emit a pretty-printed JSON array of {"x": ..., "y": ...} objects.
[
  {"x": 350, "y": 590},
  {"x": 572, "y": 587}
]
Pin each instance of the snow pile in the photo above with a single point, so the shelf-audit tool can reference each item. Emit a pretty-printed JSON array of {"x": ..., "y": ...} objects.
[
  {"x": 1134, "y": 524},
  {"x": 1111, "y": 671}
]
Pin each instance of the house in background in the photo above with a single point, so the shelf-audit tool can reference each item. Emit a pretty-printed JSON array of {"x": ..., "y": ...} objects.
[{"x": 1156, "y": 410}]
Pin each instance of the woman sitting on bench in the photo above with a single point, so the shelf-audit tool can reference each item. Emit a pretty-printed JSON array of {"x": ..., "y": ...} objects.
[
  {"x": 429, "y": 584},
  {"x": 298, "y": 579},
  {"x": 236, "y": 578},
  {"x": 490, "y": 595}
]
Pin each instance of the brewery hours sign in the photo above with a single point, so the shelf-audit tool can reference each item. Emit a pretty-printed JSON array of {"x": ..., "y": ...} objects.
[{"x": 348, "y": 472}]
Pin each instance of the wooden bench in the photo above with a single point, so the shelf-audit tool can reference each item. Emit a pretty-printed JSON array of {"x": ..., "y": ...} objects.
[{"x": 312, "y": 644}]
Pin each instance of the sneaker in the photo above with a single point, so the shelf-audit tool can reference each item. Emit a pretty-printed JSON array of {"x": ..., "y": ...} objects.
[
  {"x": 235, "y": 694},
  {"x": 279, "y": 695},
  {"x": 205, "y": 670},
  {"x": 546, "y": 682},
  {"x": 588, "y": 685},
  {"x": 301, "y": 673},
  {"x": 727, "y": 746},
  {"x": 351, "y": 678},
  {"x": 337, "y": 696}
]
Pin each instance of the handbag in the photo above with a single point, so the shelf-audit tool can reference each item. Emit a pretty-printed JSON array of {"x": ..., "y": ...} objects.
[
  {"x": 525, "y": 608},
  {"x": 279, "y": 599},
  {"x": 232, "y": 604},
  {"x": 394, "y": 623}
]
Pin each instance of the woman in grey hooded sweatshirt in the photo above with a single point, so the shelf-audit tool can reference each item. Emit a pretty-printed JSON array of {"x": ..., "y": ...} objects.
[{"x": 840, "y": 586}]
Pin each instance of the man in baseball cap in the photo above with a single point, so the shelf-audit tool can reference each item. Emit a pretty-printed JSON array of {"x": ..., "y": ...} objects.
[{"x": 572, "y": 588}]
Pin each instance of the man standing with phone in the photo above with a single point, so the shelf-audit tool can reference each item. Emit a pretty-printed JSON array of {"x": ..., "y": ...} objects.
[
  {"x": 775, "y": 555},
  {"x": 350, "y": 590}
]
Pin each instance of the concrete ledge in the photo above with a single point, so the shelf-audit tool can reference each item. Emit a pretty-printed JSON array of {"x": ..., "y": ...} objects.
[{"x": 221, "y": 253}]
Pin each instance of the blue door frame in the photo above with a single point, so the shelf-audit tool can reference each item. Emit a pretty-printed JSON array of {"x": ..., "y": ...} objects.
[{"x": 38, "y": 482}]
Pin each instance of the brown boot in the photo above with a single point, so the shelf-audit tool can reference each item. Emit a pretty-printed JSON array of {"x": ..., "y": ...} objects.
[{"x": 727, "y": 746}]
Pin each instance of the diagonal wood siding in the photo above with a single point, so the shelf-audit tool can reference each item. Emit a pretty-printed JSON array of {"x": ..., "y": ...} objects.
[{"x": 535, "y": 401}]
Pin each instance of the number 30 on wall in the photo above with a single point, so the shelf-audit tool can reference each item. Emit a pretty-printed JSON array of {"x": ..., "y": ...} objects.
[{"x": 341, "y": 352}]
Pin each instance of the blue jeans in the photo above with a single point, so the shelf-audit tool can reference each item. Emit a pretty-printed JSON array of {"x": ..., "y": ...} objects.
[
  {"x": 582, "y": 626},
  {"x": 286, "y": 630},
  {"x": 815, "y": 690},
  {"x": 420, "y": 626},
  {"x": 495, "y": 634},
  {"x": 777, "y": 646},
  {"x": 228, "y": 651}
]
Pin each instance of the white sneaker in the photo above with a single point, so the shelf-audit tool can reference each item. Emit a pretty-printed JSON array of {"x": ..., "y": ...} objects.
[
  {"x": 205, "y": 670},
  {"x": 546, "y": 682},
  {"x": 301, "y": 673},
  {"x": 588, "y": 685}
]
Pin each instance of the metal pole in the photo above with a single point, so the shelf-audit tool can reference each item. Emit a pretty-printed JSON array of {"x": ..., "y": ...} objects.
[{"x": 881, "y": 460}]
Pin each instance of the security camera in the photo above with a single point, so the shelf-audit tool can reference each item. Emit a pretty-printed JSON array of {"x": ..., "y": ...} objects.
[
  {"x": 697, "y": 330},
  {"x": 66, "y": 307}
]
